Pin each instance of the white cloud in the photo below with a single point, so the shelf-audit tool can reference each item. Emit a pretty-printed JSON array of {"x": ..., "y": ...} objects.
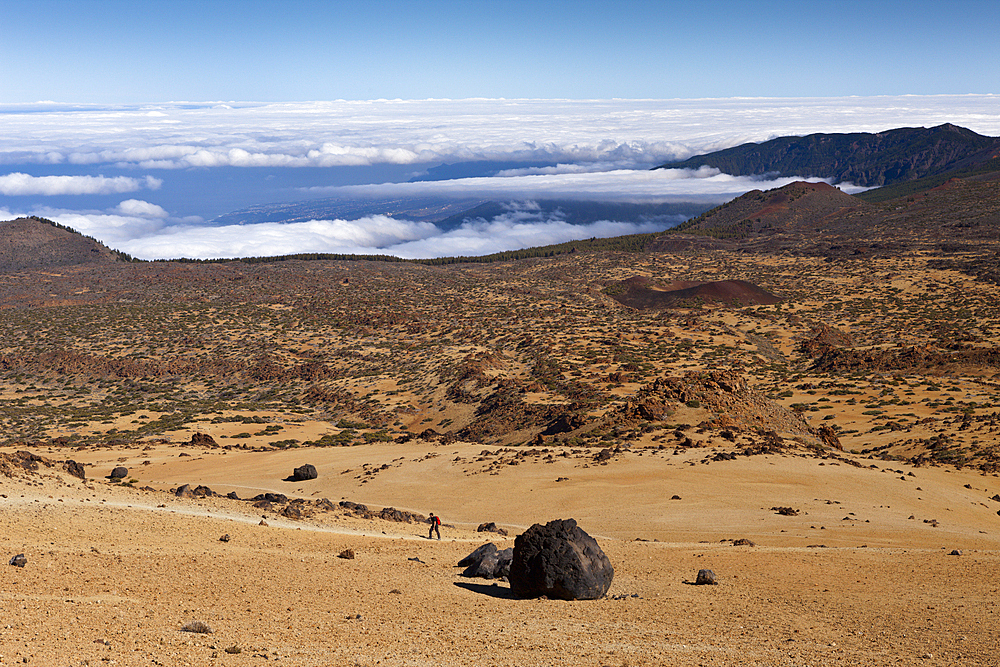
[
  {"x": 662, "y": 185},
  {"x": 19, "y": 184},
  {"x": 620, "y": 133},
  {"x": 141, "y": 209}
]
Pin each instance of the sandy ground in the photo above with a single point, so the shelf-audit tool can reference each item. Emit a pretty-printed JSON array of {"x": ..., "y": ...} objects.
[{"x": 859, "y": 577}]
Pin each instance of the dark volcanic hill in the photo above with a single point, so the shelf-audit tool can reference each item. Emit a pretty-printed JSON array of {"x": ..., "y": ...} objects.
[
  {"x": 816, "y": 217},
  {"x": 798, "y": 206},
  {"x": 869, "y": 160},
  {"x": 34, "y": 243},
  {"x": 644, "y": 294}
]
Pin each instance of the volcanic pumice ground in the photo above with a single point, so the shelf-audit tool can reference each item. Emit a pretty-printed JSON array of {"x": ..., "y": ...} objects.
[{"x": 864, "y": 401}]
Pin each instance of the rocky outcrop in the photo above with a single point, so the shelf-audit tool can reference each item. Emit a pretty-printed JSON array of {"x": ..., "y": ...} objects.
[
  {"x": 724, "y": 394},
  {"x": 559, "y": 560}
]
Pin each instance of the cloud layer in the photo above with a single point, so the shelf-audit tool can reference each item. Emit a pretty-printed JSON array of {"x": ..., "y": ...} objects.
[
  {"x": 599, "y": 149},
  {"x": 620, "y": 133}
]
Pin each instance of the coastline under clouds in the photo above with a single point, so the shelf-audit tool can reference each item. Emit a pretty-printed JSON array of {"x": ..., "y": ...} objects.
[{"x": 148, "y": 179}]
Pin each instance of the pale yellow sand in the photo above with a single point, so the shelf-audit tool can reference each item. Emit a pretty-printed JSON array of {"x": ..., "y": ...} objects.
[{"x": 114, "y": 572}]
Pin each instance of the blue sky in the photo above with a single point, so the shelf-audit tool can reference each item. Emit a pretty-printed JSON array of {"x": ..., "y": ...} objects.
[{"x": 114, "y": 51}]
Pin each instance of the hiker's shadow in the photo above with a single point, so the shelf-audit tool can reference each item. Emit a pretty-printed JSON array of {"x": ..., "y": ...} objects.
[{"x": 493, "y": 590}]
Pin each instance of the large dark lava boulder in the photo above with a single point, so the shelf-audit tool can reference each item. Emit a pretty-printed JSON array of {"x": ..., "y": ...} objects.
[
  {"x": 559, "y": 560},
  {"x": 303, "y": 473}
]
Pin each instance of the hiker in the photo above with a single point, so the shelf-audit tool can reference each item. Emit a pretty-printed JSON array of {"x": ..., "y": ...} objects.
[{"x": 435, "y": 527}]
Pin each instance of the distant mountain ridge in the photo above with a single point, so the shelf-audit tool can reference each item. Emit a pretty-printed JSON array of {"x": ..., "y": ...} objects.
[{"x": 865, "y": 159}]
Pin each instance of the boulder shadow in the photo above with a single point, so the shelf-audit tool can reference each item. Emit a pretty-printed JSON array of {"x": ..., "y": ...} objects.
[{"x": 493, "y": 590}]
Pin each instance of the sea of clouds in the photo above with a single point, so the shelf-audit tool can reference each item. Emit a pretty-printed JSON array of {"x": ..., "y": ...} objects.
[{"x": 119, "y": 173}]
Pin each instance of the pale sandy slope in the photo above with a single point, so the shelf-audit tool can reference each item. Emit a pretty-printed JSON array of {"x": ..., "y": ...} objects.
[{"x": 113, "y": 573}]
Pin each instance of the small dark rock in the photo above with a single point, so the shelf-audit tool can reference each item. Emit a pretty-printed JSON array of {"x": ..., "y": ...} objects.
[
  {"x": 347, "y": 554},
  {"x": 305, "y": 472},
  {"x": 293, "y": 511},
  {"x": 271, "y": 497},
  {"x": 478, "y": 554},
  {"x": 744, "y": 542},
  {"x": 490, "y": 528},
  {"x": 786, "y": 511},
  {"x": 76, "y": 469},
  {"x": 18, "y": 561},
  {"x": 354, "y": 507},
  {"x": 955, "y": 552},
  {"x": 232, "y": 495},
  {"x": 224, "y": 538},
  {"x": 487, "y": 562},
  {"x": 121, "y": 472},
  {"x": 184, "y": 491},
  {"x": 706, "y": 577}
]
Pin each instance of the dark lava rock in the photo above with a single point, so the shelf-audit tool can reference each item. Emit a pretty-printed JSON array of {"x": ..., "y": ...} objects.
[
  {"x": 487, "y": 562},
  {"x": 203, "y": 439},
  {"x": 294, "y": 511},
  {"x": 706, "y": 577},
  {"x": 271, "y": 497},
  {"x": 202, "y": 491},
  {"x": 829, "y": 437},
  {"x": 325, "y": 505},
  {"x": 18, "y": 561},
  {"x": 744, "y": 542},
  {"x": 559, "y": 560},
  {"x": 786, "y": 511},
  {"x": 232, "y": 495},
  {"x": 354, "y": 507},
  {"x": 302, "y": 473},
  {"x": 224, "y": 538},
  {"x": 184, "y": 491},
  {"x": 121, "y": 472},
  {"x": 478, "y": 554},
  {"x": 347, "y": 554},
  {"x": 76, "y": 469},
  {"x": 490, "y": 528},
  {"x": 401, "y": 516}
]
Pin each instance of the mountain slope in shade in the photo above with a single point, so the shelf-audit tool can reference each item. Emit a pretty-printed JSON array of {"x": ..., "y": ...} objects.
[
  {"x": 35, "y": 243},
  {"x": 868, "y": 160},
  {"x": 797, "y": 206}
]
